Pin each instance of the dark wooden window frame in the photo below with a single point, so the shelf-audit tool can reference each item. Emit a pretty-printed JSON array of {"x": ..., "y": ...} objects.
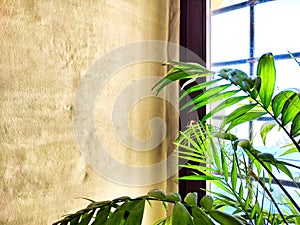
[{"x": 193, "y": 26}]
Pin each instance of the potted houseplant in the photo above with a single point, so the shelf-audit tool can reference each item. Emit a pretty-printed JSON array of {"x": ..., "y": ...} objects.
[{"x": 243, "y": 174}]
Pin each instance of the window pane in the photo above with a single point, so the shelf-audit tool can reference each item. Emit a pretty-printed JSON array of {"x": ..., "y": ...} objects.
[
  {"x": 288, "y": 74},
  {"x": 276, "y": 27},
  {"x": 230, "y": 35}
]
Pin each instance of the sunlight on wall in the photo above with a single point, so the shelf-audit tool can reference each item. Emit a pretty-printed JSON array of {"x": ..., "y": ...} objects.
[{"x": 46, "y": 48}]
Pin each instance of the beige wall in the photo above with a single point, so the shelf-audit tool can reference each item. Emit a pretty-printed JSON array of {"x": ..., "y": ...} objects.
[{"x": 46, "y": 47}]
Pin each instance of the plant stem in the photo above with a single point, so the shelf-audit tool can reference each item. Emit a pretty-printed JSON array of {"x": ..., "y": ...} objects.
[
  {"x": 239, "y": 169},
  {"x": 269, "y": 194},
  {"x": 277, "y": 181}
]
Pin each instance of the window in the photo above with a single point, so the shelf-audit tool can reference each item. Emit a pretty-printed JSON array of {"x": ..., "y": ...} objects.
[{"x": 241, "y": 31}]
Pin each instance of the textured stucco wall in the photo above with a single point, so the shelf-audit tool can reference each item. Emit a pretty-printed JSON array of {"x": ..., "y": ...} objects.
[{"x": 46, "y": 47}]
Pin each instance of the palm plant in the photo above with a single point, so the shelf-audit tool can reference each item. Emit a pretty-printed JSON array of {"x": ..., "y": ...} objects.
[{"x": 243, "y": 174}]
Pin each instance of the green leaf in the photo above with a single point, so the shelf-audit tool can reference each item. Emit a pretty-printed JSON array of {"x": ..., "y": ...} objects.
[
  {"x": 241, "y": 192},
  {"x": 228, "y": 102},
  {"x": 267, "y": 157},
  {"x": 88, "y": 199},
  {"x": 136, "y": 213},
  {"x": 188, "y": 66},
  {"x": 222, "y": 197},
  {"x": 248, "y": 200},
  {"x": 235, "y": 76},
  {"x": 205, "y": 95},
  {"x": 289, "y": 151},
  {"x": 100, "y": 204},
  {"x": 237, "y": 113},
  {"x": 224, "y": 165},
  {"x": 245, "y": 144},
  {"x": 192, "y": 82},
  {"x": 284, "y": 169},
  {"x": 198, "y": 87},
  {"x": 171, "y": 77},
  {"x": 163, "y": 83},
  {"x": 190, "y": 140},
  {"x": 188, "y": 150},
  {"x": 254, "y": 92},
  {"x": 266, "y": 71},
  {"x": 156, "y": 193},
  {"x": 199, "y": 177},
  {"x": 118, "y": 216},
  {"x": 174, "y": 197},
  {"x": 216, "y": 158},
  {"x": 226, "y": 136},
  {"x": 265, "y": 129},
  {"x": 181, "y": 216},
  {"x": 203, "y": 169},
  {"x": 245, "y": 118},
  {"x": 85, "y": 219},
  {"x": 200, "y": 217},
  {"x": 224, "y": 218},
  {"x": 253, "y": 212},
  {"x": 191, "y": 198},
  {"x": 165, "y": 221},
  {"x": 245, "y": 85},
  {"x": 234, "y": 173},
  {"x": 194, "y": 159},
  {"x": 222, "y": 185},
  {"x": 75, "y": 220},
  {"x": 101, "y": 215},
  {"x": 207, "y": 202},
  {"x": 215, "y": 98},
  {"x": 295, "y": 125},
  {"x": 290, "y": 109},
  {"x": 259, "y": 220},
  {"x": 181, "y": 71},
  {"x": 279, "y": 100}
]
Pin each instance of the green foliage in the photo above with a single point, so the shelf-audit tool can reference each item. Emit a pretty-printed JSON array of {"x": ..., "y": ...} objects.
[
  {"x": 224, "y": 218},
  {"x": 191, "y": 198},
  {"x": 129, "y": 211},
  {"x": 181, "y": 215},
  {"x": 234, "y": 165},
  {"x": 207, "y": 202},
  {"x": 123, "y": 210},
  {"x": 243, "y": 173}
]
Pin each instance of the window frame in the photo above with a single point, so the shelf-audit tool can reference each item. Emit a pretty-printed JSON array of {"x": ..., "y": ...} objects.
[{"x": 193, "y": 36}]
